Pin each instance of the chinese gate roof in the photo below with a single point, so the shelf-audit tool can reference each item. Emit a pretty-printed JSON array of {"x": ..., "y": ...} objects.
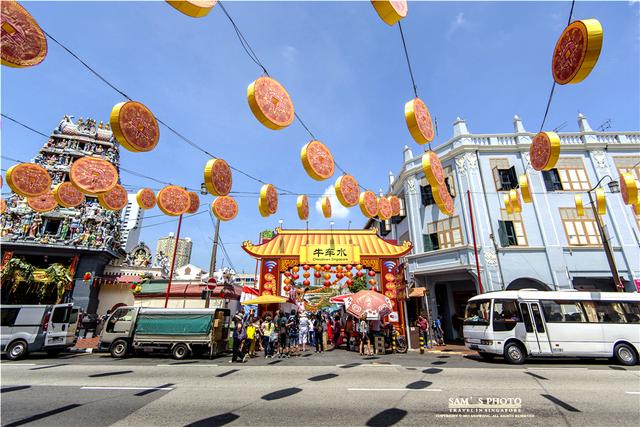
[{"x": 287, "y": 243}]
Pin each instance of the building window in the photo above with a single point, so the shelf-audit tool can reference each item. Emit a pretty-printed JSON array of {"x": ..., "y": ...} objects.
[
  {"x": 443, "y": 234},
  {"x": 569, "y": 173},
  {"x": 426, "y": 195},
  {"x": 580, "y": 231},
  {"x": 511, "y": 230},
  {"x": 552, "y": 180},
  {"x": 504, "y": 175},
  {"x": 450, "y": 181}
]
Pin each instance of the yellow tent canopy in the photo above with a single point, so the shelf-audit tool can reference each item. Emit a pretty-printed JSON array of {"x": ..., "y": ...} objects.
[{"x": 265, "y": 299}]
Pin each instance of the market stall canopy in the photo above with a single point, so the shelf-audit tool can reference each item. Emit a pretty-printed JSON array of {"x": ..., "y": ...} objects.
[
  {"x": 368, "y": 304},
  {"x": 265, "y": 299}
]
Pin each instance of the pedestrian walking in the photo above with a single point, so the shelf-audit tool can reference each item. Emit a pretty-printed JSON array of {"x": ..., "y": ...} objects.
[
  {"x": 423, "y": 331},
  {"x": 318, "y": 327},
  {"x": 337, "y": 330},
  {"x": 438, "y": 332},
  {"x": 283, "y": 349},
  {"x": 238, "y": 337},
  {"x": 304, "y": 325},
  {"x": 363, "y": 329},
  {"x": 251, "y": 338},
  {"x": 292, "y": 330},
  {"x": 268, "y": 336}
]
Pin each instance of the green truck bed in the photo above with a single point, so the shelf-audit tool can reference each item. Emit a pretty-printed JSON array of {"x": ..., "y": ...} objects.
[{"x": 173, "y": 324}]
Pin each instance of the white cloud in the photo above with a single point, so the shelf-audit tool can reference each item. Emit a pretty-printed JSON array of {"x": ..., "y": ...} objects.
[
  {"x": 289, "y": 53},
  {"x": 458, "y": 23},
  {"x": 337, "y": 210}
]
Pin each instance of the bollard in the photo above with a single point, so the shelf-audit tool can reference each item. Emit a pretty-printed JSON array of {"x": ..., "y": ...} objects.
[{"x": 421, "y": 343}]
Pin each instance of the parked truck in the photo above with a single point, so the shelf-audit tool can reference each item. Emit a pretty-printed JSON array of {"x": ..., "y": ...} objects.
[
  {"x": 181, "y": 331},
  {"x": 28, "y": 328}
]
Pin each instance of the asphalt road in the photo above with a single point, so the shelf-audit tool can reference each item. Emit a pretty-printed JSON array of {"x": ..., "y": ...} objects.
[{"x": 337, "y": 388}]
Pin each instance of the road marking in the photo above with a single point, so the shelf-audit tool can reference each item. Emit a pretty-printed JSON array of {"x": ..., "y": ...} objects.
[
  {"x": 18, "y": 364},
  {"x": 380, "y": 364},
  {"x": 124, "y": 388},
  {"x": 166, "y": 365},
  {"x": 632, "y": 392},
  {"x": 393, "y": 389},
  {"x": 556, "y": 369}
]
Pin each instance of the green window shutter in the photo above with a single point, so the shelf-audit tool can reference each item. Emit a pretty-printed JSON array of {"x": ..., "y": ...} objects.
[
  {"x": 426, "y": 240},
  {"x": 502, "y": 234}
]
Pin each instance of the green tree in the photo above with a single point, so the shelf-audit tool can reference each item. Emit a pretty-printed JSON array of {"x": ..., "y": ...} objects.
[{"x": 359, "y": 284}]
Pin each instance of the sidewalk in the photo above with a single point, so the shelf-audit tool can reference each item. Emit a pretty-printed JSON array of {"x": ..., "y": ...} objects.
[
  {"x": 86, "y": 345},
  {"x": 448, "y": 349}
]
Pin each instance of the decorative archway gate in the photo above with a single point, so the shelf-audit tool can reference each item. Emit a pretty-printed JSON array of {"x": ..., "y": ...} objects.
[{"x": 289, "y": 248}]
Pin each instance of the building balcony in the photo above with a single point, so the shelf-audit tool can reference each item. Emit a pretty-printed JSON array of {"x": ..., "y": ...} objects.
[{"x": 458, "y": 258}]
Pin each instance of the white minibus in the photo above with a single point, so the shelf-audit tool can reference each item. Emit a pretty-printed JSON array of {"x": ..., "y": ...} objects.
[{"x": 524, "y": 323}]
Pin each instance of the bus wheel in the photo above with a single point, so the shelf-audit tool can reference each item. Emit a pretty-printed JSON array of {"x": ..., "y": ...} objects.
[
  {"x": 119, "y": 349},
  {"x": 17, "y": 350},
  {"x": 514, "y": 354},
  {"x": 625, "y": 355},
  {"x": 180, "y": 351}
]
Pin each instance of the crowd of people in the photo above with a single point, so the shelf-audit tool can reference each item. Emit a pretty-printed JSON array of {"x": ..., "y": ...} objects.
[{"x": 286, "y": 335}]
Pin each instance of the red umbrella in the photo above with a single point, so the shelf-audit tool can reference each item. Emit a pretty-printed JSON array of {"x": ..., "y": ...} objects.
[{"x": 369, "y": 304}]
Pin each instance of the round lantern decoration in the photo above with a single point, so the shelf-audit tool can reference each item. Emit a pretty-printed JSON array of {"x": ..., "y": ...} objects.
[
  {"x": 579, "y": 205},
  {"x": 270, "y": 103},
  {"x": 327, "y": 276},
  {"x": 306, "y": 283},
  {"x": 194, "y": 203},
  {"x": 303, "y": 207},
  {"x": 396, "y": 206},
  {"x": 42, "y": 203},
  {"x": 514, "y": 200},
  {"x": 193, "y": 8},
  {"x": 93, "y": 176},
  {"x": 390, "y": 11},
  {"x": 577, "y": 51},
  {"x": 217, "y": 177},
  {"x": 114, "y": 199},
  {"x": 317, "y": 160},
  {"x": 224, "y": 208},
  {"x": 444, "y": 200},
  {"x": 23, "y": 41},
  {"x": 368, "y": 204},
  {"x": 525, "y": 188},
  {"x": 419, "y": 121},
  {"x": 326, "y": 207},
  {"x": 347, "y": 191},
  {"x": 601, "y": 203},
  {"x": 384, "y": 208},
  {"x": 507, "y": 203},
  {"x": 432, "y": 169},
  {"x": 545, "y": 151},
  {"x": 629, "y": 189},
  {"x": 295, "y": 268},
  {"x": 146, "y": 198},
  {"x": 3, "y": 206},
  {"x": 306, "y": 274},
  {"x": 87, "y": 276},
  {"x": 173, "y": 200},
  {"x": 28, "y": 179},
  {"x": 268, "y": 202},
  {"x": 134, "y": 126},
  {"x": 373, "y": 282},
  {"x": 317, "y": 275},
  {"x": 67, "y": 195}
]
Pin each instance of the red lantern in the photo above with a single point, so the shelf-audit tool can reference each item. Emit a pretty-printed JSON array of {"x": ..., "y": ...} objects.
[
  {"x": 327, "y": 283},
  {"x": 306, "y": 267},
  {"x": 306, "y": 274},
  {"x": 295, "y": 277},
  {"x": 359, "y": 274},
  {"x": 317, "y": 274},
  {"x": 133, "y": 286},
  {"x": 373, "y": 282},
  {"x": 287, "y": 288},
  {"x": 359, "y": 267},
  {"x": 287, "y": 274},
  {"x": 339, "y": 275},
  {"x": 87, "y": 276},
  {"x": 349, "y": 267},
  {"x": 371, "y": 273},
  {"x": 306, "y": 283},
  {"x": 327, "y": 267},
  {"x": 327, "y": 276},
  {"x": 295, "y": 269}
]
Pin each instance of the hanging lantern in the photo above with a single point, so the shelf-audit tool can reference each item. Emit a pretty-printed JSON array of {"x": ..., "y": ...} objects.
[
  {"x": 287, "y": 274},
  {"x": 287, "y": 288},
  {"x": 224, "y": 208},
  {"x": 268, "y": 202},
  {"x": 295, "y": 269},
  {"x": 306, "y": 274},
  {"x": 193, "y": 8},
  {"x": 67, "y": 195},
  {"x": 359, "y": 267},
  {"x": 217, "y": 177},
  {"x": 87, "y": 276},
  {"x": 146, "y": 198},
  {"x": 419, "y": 121},
  {"x": 525, "y": 188},
  {"x": 629, "y": 189},
  {"x": 348, "y": 267},
  {"x": 347, "y": 190},
  {"x": 317, "y": 267},
  {"x": 349, "y": 274},
  {"x": 577, "y": 51},
  {"x": 28, "y": 179},
  {"x": 306, "y": 283},
  {"x": 432, "y": 169},
  {"x": 270, "y": 103},
  {"x": 306, "y": 267},
  {"x": 368, "y": 204},
  {"x": 23, "y": 41},
  {"x": 93, "y": 176},
  {"x": 3, "y": 206},
  {"x": 444, "y": 200},
  {"x": 579, "y": 205},
  {"x": 339, "y": 276},
  {"x": 371, "y": 273},
  {"x": 317, "y": 160},
  {"x": 339, "y": 268},
  {"x": 327, "y": 267},
  {"x": 359, "y": 274},
  {"x": 373, "y": 282},
  {"x": 326, "y": 207},
  {"x": 507, "y": 203},
  {"x": 194, "y": 203},
  {"x": 115, "y": 199},
  {"x": 384, "y": 208},
  {"x": 544, "y": 151},
  {"x": 514, "y": 200},
  {"x": 134, "y": 126},
  {"x": 287, "y": 281},
  {"x": 349, "y": 282},
  {"x": 295, "y": 276},
  {"x": 390, "y": 11},
  {"x": 327, "y": 276},
  {"x": 303, "y": 207},
  {"x": 173, "y": 200},
  {"x": 317, "y": 274},
  {"x": 396, "y": 207},
  {"x": 43, "y": 203},
  {"x": 133, "y": 287},
  {"x": 601, "y": 203},
  {"x": 327, "y": 283}
]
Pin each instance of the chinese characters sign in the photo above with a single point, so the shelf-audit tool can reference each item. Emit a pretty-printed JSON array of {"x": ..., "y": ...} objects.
[{"x": 329, "y": 254}]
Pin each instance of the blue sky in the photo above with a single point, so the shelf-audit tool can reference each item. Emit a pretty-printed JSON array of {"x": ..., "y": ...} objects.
[{"x": 345, "y": 71}]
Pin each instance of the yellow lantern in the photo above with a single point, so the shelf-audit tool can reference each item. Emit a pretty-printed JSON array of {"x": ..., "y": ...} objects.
[
  {"x": 368, "y": 204},
  {"x": 390, "y": 11},
  {"x": 385, "y": 210},
  {"x": 23, "y": 41},
  {"x": 525, "y": 188},
  {"x": 268, "y": 201},
  {"x": 217, "y": 177},
  {"x": 193, "y": 8},
  {"x": 579, "y": 205},
  {"x": 432, "y": 169},
  {"x": 303, "y": 207},
  {"x": 601, "y": 203},
  {"x": 629, "y": 189},
  {"x": 419, "y": 121},
  {"x": 134, "y": 126},
  {"x": 270, "y": 103},
  {"x": 29, "y": 179},
  {"x": 507, "y": 203},
  {"x": 577, "y": 51},
  {"x": 347, "y": 190},
  {"x": 544, "y": 151},
  {"x": 326, "y": 207},
  {"x": 514, "y": 201},
  {"x": 317, "y": 160}
]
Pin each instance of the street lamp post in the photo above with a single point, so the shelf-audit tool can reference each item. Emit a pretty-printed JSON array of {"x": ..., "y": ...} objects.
[{"x": 614, "y": 188}]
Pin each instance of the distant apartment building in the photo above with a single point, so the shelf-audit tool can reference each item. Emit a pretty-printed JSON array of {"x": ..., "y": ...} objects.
[
  {"x": 167, "y": 244},
  {"x": 132, "y": 217}
]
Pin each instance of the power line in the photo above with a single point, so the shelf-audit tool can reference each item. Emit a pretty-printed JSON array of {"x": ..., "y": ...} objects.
[{"x": 406, "y": 54}]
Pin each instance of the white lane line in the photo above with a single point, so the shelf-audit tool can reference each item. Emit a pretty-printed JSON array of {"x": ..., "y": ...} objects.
[
  {"x": 124, "y": 388},
  {"x": 394, "y": 389},
  {"x": 556, "y": 369},
  {"x": 17, "y": 364},
  {"x": 166, "y": 365},
  {"x": 632, "y": 392}
]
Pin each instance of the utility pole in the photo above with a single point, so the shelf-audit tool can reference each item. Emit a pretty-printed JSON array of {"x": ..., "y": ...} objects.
[
  {"x": 173, "y": 261},
  {"x": 605, "y": 242},
  {"x": 212, "y": 264}
]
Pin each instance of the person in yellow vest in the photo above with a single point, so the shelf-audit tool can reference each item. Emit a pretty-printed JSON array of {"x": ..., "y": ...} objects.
[{"x": 251, "y": 338}]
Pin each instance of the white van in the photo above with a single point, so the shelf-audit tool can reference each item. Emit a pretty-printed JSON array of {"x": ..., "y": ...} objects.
[
  {"x": 29, "y": 328},
  {"x": 520, "y": 324}
]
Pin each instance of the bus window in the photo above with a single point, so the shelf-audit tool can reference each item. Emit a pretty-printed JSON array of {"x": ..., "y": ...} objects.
[
  {"x": 563, "y": 311},
  {"x": 477, "y": 313},
  {"x": 537, "y": 318},
  {"x": 631, "y": 311},
  {"x": 528, "y": 326},
  {"x": 505, "y": 315}
]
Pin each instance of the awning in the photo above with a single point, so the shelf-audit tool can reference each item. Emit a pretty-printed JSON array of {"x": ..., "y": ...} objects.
[{"x": 417, "y": 292}]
